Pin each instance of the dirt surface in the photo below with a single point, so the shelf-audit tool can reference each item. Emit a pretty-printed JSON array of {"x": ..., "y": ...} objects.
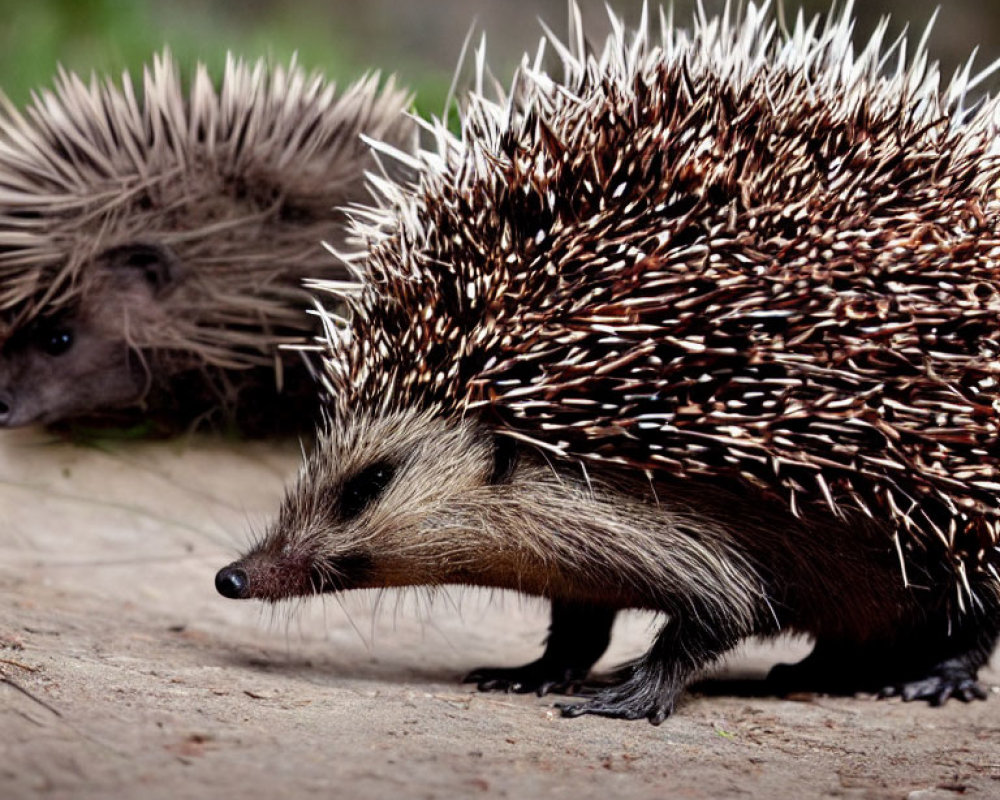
[{"x": 125, "y": 675}]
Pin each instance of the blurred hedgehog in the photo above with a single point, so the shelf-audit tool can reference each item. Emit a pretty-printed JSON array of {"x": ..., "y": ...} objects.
[
  {"x": 153, "y": 246},
  {"x": 708, "y": 327}
]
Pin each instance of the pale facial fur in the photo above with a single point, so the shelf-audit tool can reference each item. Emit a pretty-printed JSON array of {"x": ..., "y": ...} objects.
[{"x": 461, "y": 508}]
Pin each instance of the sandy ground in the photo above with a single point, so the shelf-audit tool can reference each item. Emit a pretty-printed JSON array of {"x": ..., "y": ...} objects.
[{"x": 125, "y": 675}]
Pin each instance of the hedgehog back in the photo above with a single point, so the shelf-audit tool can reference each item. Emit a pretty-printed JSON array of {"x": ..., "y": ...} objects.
[{"x": 782, "y": 273}]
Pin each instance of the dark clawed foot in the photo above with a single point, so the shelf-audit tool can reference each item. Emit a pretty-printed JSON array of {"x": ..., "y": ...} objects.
[
  {"x": 579, "y": 633},
  {"x": 618, "y": 705},
  {"x": 936, "y": 689},
  {"x": 629, "y": 697},
  {"x": 538, "y": 677},
  {"x": 864, "y": 672}
]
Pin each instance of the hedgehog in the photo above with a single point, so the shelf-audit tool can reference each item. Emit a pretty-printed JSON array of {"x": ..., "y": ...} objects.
[
  {"x": 708, "y": 326},
  {"x": 153, "y": 243}
]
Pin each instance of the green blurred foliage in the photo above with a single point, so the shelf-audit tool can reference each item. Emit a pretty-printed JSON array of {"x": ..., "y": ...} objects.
[
  {"x": 419, "y": 40},
  {"x": 109, "y": 36}
]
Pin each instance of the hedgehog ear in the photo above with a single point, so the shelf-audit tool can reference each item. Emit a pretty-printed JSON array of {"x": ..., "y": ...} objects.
[
  {"x": 154, "y": 264},
  {"x": 505, "y": 457}
]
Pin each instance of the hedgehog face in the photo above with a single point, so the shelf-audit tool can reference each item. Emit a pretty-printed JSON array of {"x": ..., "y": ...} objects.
[
  {"x": 414, "y": 499},
  {"x": 80, "y": 359},
  {"x": 63, "y": 367},
  {"x": 381, "y": 503}
]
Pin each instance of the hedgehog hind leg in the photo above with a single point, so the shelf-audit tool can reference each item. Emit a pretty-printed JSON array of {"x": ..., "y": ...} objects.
[
  {"x": 936, "y": 664},
  {"x": 886, "y": 670},
  {"x": 932, "y": 662},
  {"x": 953, "y": 677},
  {"x": 578, "y": 635}
]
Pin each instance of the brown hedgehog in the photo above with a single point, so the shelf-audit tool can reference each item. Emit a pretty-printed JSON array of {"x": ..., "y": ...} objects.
[
  {"x": 153, "y": 244},
  {"x": 708, "y": 327}
]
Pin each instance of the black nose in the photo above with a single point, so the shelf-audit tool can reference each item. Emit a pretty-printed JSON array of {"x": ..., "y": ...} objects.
[
  {"x": 6, "y": 407},
  {"x": 231, "y": 582}
]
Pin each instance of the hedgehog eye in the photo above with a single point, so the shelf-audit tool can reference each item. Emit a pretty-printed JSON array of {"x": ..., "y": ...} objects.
[
  {"x": 365, "y": 488},
  {"x": 295, "y": 214},
  {"x": 55, "y": 340}
]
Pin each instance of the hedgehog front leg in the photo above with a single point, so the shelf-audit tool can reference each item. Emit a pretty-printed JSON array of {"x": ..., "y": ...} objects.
[
  {"x": 651, "y": 685},
  {"x": 578, "y": 635}
]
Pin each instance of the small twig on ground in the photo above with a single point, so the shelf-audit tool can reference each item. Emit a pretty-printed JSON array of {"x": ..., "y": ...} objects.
[
  {"x": 18, "y": 664},
  {"x": 30, "y": 695}
]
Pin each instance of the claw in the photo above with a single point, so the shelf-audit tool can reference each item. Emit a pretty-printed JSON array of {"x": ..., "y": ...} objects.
[
  {"x": 973, "y": 692},
  {"x": 936, "y": 690},
  {"x": 535, "y": 677},
  {"x": 623, "y": 701},
  {"x": 617, "y": 710},
  {"x": 941, "y": 697},
  {"x": 571, "y": 709},
  {"x": 487, "y": 681}
]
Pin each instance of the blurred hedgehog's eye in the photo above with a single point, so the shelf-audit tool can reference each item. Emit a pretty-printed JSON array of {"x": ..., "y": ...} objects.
[
  {"x": 364, "y": 489},
  {"x": 55, "y": 341},
  {"x": 295, "y": 214}
]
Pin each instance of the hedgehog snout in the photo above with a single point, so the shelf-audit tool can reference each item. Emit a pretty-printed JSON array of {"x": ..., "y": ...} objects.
[{"x": 232, "y": 582}]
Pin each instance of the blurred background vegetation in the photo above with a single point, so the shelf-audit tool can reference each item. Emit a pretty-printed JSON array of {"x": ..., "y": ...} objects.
[{"x": 420, "y": 41}]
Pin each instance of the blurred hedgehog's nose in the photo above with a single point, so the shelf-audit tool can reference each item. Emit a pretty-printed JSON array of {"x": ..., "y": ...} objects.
[
  {"x": 6, "y": 407},
  {"x": 231, "y": 582}
]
